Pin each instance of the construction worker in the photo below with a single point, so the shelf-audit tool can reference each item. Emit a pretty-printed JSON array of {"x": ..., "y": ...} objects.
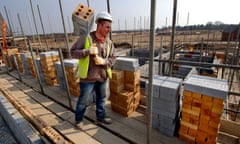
[{"x": 96, "y": 56}]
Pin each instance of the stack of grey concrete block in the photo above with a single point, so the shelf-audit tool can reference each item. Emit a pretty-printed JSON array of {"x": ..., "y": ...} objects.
[
  {"x": 60, "y": 75},
  {"x": 166, "y": 103},
  {"x": 181, "y": 71},
  {"x": 25, "y": 62},
  {"x": 39, "y": 67},
  {"x": 127, "y": 64},
  {"x": 22, "y": 130},
  {"x": 71, "y": 62}
]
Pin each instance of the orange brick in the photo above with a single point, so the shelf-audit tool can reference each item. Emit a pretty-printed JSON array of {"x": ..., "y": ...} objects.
[
  {"x": 207, "y": 105},
  {"x": 204, "y": 120},
  {"x": 196, "y": 95},
  {"x": 218, "y": 100},
  {"x": 131, "y": 87},
  {"x": 206, "y": 112},
  {"x": 191, "y": 112},
  {"x": 186, "y": 115},
  {"x": 201, "y": 137},
  {"x": 189, "y": 125},
  {"x": 187, "y": 106},
  {"x": 217, "y": 110},
  {"x": 183, "y": 129},
  {"x": 187, "y": 93},
  {"x": 215, "y": 117},
  {"x": 212, "y": 130},
  {"x": 187, "y": 138},
  {"x": 132, "y": 77},
  {"x": 196, "y": 109},
  {"x": 203, "y": 127},
  {"x": 117, "y": 74},
  {"x": 197, "y": 103},
  {"x": 212, "y": 139},
  {"x": 214, "y": 124},
  {"x": 187, "y": 100},
  {"x": 218, "y": 105},
  {"x": 207, "y": 98},
  {"x": 192, "y": 132}
]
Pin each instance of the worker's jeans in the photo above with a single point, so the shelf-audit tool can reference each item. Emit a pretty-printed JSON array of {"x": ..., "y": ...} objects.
[{"x": 86, "y": 90}]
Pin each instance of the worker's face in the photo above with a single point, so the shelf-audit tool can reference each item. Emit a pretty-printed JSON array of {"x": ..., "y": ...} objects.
[{"x": 105, "y": 28}]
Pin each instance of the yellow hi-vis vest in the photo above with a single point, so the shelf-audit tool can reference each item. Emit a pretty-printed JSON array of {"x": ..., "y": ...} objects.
[{"x": 83, "y": 63}]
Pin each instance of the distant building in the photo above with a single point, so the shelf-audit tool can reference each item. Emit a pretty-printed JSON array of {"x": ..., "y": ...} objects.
[{"x": 232, "y": 31}]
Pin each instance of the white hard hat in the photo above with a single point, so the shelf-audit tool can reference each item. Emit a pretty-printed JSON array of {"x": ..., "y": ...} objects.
[{"x": 103, "y": 15}]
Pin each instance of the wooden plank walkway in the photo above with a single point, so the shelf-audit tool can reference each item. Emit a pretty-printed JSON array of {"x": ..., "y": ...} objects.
[{"x": 54, "y": 109}]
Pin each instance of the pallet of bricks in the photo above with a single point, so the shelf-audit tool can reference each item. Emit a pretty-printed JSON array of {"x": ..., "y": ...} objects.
[
  {"x": 125, "y": 86},
  {"x": 70, "y": 69},
  {"x": 165, "y": 104},
  {"x": 9, "y": 53},
  {"x": 47, "y": 60},
  {"x": 202, "y": 108}
]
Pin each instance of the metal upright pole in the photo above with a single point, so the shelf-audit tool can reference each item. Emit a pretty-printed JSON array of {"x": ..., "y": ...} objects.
[
  {"x": 226, "y": 53},
  {"x": 172, "y": 53},
  {"x": 64, "y": 27},
  {"x": 33, "y": 37},
  {"x": 55, "y": 45},
  {"x": 36, "y": 68},
  {"x": 9, "y": 24},
  {"x": 19, "y": 20},
  {"x": 235, "y": 55},
  {"x": 88, "y": 3},
  {"x": 160, "y": 57},
  {"x": 151, "y": 70},
  {"x": 70, "y": 30},
  {"x": 35, "y": 23},
  {"x": 65, "y": 77},
  {"x": 42, "y": 27},
  {"x": 109, "y": 11}
]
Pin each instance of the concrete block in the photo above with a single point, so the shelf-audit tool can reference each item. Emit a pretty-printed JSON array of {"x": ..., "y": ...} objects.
[
  {"x": 169, "y": 106},
  {"x": 127, "y": 64},
  {"x": 207, "y": 85}
]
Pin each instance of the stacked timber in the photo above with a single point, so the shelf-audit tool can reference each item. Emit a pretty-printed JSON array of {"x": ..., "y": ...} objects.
[
  {"x": 125, "y": 86},
  {"x": 166, "y": 104},
  {"x": 40, "y": 72},
  {"x": 203, "y": 103},
  {"x": 70, "y": 69},
  {"x": 47, "y": 60}
]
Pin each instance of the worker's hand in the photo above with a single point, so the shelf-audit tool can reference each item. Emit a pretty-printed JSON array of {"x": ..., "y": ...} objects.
[
  {"x": 99, "y": 60},
  {"x": 93, "y": 50}
]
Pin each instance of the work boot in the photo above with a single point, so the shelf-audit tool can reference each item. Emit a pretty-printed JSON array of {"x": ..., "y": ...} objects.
[
  {"x": 79, "y": 124},
  {"x": 106, "y": 120}
]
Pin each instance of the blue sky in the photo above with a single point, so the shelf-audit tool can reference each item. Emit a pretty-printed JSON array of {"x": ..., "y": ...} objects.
[{"x": 123, "y": 11}]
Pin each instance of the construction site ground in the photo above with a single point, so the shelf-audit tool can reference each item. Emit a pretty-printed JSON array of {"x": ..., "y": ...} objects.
[{"x": 53, "y": 108}]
